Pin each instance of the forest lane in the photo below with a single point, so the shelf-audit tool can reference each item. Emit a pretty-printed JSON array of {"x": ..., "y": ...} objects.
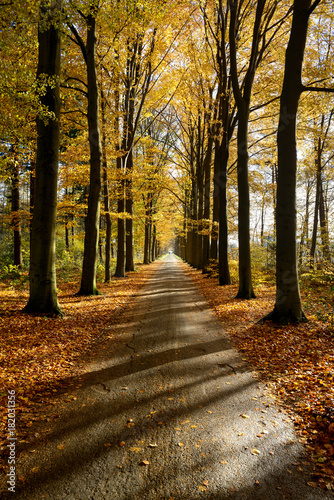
[{"x": 171, "y": 413}]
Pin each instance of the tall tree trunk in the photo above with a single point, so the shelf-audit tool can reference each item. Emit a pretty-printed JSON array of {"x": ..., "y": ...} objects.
[
  {"x": 120, "y": 261},
  {"x": 67, "y": 238},
  {"x": 107, "y": 270},
  {"x": 148, "y": 228},
  {"x": 15, "y": 215},
  {"x": 224, "y": 268},
  {"x": 43, "y": 288},
  {"x": 315, "y": 220},
  {"x": 88, "y": 278},
  {"x": 215, "y": 206},
  {"x": 32, "y": 191},
  {"x": 288, "y": 307},
  {"x": 323, "y": 223},
  {"x": 206, "y": 211},
  {"x": 199, "y": 228},
  {"x": 303, "y": 247},
  {"x": 129, "y": 260},
  {"x": 242, "y": 95},
  {"x": 154, "y": 241},
  {"x": 194, "y": 223}
]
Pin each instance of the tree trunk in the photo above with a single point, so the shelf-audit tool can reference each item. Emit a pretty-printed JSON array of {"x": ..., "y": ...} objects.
[
  {"x": 154, "y": 241},
  {"x": 15, "y": 215},
  {"x": 43, "y": 288},
  {"x": 315, "y": 224},
  {"x": 206, "y": 212},
  {"x": 107, "y": 270},
  {"x": 242, "y": 95},
  {"x": 88, "y": 278},
  {"x": 147, "y": 244},
  {"x": 32, "y": 191},
  {"x": 120, "y": 262},
  {"x": 245, "y": 271},
  {"x": 215, "y": 206},
  {"x": 303, "y": 247},
  {"x": 129, "y": 260},
  {"x": 194, "y": 223},
  {"x": 323, "y": 223},
  {"x": 224, "y": 270},
  {"x": 288, "y": 307}
]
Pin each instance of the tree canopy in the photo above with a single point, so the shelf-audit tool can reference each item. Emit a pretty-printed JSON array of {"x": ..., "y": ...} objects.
[{"x": 169, "y": 114}]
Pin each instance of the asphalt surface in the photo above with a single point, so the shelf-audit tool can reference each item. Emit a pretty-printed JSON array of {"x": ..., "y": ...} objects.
[{"x": 171, "y": 412}]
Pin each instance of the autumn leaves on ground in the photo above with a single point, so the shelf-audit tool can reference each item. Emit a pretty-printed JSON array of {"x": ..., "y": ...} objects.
[{"x": 41, "y": 355}]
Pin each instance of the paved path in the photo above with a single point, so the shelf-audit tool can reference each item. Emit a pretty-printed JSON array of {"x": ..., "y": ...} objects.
[{"x": 171, "y": 413}]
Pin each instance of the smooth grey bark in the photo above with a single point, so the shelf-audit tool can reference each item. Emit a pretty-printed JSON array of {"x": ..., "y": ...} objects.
[
  {"x": 288, "y": 306},
  {"x": 88, "y": 278},
  {"x": 43, "y": 288}
]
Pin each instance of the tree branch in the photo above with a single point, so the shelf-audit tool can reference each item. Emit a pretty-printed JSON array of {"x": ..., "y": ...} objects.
[
  {"x": 317, "y": 89},
  {"x": 313, "y": 6}
]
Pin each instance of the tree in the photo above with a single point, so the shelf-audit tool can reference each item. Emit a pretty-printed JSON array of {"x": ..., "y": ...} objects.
[
  {"x": 43, "y": 290},
  {"x": 88, "y": 277},
  {"x": 288, "y": 306},
  {"x": 242, "y": 95}
]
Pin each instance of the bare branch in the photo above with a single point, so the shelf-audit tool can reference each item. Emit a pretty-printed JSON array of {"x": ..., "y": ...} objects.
[
  {"x": 317, "y": 89},
  {"x": 313, "y": 6}
]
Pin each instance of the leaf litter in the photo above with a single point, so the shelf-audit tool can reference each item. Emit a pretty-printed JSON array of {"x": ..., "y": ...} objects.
[
  {"x": 295, "y": 361},
  {"x": 40, "y": 355}
]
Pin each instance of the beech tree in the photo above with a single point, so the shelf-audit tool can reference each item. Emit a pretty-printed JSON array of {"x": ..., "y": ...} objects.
[
  {"x": 43, "y": 289},
  {"x": 88, "y": 277},
  {"x": 242, "y": 94},
  {"x": 288, "y": 306}
]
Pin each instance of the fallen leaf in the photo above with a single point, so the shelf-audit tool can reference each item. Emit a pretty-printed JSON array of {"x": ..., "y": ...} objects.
[{"x": 312, "y": 484}]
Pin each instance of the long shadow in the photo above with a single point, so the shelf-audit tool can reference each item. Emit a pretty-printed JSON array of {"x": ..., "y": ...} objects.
[
  {"x": 87, "y": 417},
  {"x": 73, "y": 460},
  {"x": 75, "y": 424}
]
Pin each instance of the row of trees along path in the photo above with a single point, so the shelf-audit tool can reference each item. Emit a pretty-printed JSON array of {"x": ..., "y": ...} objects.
[{"x": 168, "y": 93}]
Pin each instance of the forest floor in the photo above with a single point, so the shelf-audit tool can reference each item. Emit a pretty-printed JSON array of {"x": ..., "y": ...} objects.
[
  {"x": 296, "y": 360},
  {"x": 40, "y": 354}
]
